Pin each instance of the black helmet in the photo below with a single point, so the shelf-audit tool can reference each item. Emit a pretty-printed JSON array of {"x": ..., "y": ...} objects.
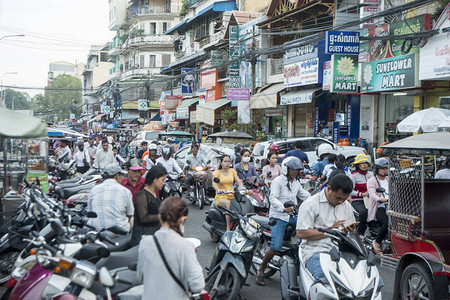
[
  {"x": 380, "y": 164},
  {"x": 167, "y": 151},
  {"x": 238, "y": 147}
]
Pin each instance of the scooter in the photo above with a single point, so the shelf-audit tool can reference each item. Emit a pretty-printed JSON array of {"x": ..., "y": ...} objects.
[
  {"x": 350, "y": 272},
  {"x": 172, "y": 186},
  {"x": 256, "y": 195},
  {"x": 232, "y": 259},
  {"x": 197, "y": 191},
  {"x": 215, "y": 222}
]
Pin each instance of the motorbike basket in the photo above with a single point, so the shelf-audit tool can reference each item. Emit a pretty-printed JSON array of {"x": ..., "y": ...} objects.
[{"x": 200, "y": 176}]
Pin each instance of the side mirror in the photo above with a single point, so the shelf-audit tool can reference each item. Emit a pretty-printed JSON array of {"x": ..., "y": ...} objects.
[
  {"x": 380, "y": 190},
  {"x": 269, "y": 174},
  {"x": 208, "y": 162},
  {"x": 57, "y": 227},
  {"x": 334, "y": 254},
  {"x": 91, "y": 214},
  {"x": 371, "y": 259},
  {"x": 188, "y": 162},
  {"x": 216, "y": 180}
]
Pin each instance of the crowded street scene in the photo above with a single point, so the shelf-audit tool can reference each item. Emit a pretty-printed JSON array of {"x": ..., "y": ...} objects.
[{"x": 203, "y": 149}]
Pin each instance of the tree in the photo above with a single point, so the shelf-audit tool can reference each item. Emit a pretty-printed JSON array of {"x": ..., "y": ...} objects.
[
  {"x": 62, "y": 96},
  {"x": 18, "y": 99}
]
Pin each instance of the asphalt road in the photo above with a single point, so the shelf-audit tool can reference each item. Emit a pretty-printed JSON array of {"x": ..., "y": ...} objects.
[{"x": 193, "y": 228}]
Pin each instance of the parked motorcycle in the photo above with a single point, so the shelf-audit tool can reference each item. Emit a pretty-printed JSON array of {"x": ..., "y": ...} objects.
[
  {"x": 197, "y": 191},
  {"x": 350, "y": 272},
  {"x": 232, "y": 259},
  {"x": 215, "y": 222}
]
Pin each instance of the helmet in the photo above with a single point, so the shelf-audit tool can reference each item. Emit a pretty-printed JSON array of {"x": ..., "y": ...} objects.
[
  {"x": 167, "y": 151},
  {"x": 274, "y": 148},
  {"x": 122, "y": 139},
  {"x": 380, "y": 164},
  {"x": 360, "y": 159},
  {"x": 323, "y": 149},
  {"x": 152, "y": 147},
  {"x": 291, "y": 162},
  {"x": 238, "y": 147}
]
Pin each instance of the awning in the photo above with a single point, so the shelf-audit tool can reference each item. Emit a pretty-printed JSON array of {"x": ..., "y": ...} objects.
[
  {"x": 206, "y": 111},
  {"x": 176, "y": 27},
  {"x": 189, "y": 58},
  {"x": 267, "y": 98},
  {"x": 96, "y": 118},
  {"x": 156, "y": 117},
  {"x": 188, "y": 102},
  {"x": 298, "y": 97}
]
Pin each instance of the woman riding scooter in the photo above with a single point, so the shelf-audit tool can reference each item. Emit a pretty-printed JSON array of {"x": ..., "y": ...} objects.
[
  {"x": 244, "y": 169},
  {"x": 227, "y": 177},
  {"x": 378, "y": 201}
]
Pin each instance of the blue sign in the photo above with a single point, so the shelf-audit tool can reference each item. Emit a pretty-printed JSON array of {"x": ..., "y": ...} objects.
[
  {"x": 188, "y": 82},
  {"x": 335, "y": 132},
  {"x": 300, "y": 53},
  {"x": 342, "y": 42}
]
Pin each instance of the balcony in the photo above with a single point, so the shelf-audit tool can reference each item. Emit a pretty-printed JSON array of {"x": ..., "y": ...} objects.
[
  {"x": 153, "y": 9},
  {"x": 147, "y": 40},
  {"x": 139, "y": 73},
  {"x": 211, "y": 40}
]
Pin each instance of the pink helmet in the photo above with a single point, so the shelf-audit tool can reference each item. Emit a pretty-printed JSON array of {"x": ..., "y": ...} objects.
[{"x": 274, "y": 148}]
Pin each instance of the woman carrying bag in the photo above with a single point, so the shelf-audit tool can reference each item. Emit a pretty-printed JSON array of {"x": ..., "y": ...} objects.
[{"x": 167, "y": 263}]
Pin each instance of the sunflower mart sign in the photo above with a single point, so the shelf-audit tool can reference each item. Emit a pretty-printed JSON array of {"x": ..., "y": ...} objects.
[
  {"x": 344, "y": 73},
  {"x": 395, "y": 73}
]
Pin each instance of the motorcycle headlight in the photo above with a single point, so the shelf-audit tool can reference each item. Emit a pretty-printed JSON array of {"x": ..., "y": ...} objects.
[
  {"x": 250, "y": 227},
  {"x": 166, "y": 188},
  {"x": 83, "y": 274},
  {"x": 43, "y": 257},
  {"x": 198, "y": 168}
]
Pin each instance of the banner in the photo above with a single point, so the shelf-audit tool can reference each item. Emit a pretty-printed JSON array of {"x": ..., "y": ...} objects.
[
  {"x": 183, "y": 112},
  {"x": 243, "y": 111},
  {"x": 302, "y": 73},
  {"x": 238, "y": 94},
  {"x": 344, "y": 73},
  {"x": 171, "y": 102},
  {"x": 188, "y": 82},
  {"x": 235, "y": 80},
  {"x": 393, "y": 73}
]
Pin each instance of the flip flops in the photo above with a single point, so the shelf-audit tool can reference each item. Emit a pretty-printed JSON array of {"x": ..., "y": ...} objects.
[
  {"x": 376, "y": 248},
  {"x": 260, "y": 280}
]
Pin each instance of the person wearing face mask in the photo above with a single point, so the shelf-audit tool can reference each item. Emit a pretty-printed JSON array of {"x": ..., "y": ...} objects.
[
  {"x": 167, "y": 262},
  {"x": 244, "y": 169},
  {"x": 147, "y": 203},
  {"x": 82, "y": 158}
]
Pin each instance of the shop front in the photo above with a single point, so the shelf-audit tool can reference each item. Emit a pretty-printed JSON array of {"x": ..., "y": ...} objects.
[{"x": 207, "y": 116}]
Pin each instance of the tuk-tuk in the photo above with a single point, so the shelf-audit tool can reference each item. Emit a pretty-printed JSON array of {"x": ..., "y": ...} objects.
[
  {"x": 180, "y": 138},
  {"x": 419, "y": 217}
]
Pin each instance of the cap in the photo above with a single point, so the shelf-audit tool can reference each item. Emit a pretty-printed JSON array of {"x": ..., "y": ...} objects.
[
  {"x": 360, "y": 159},
  {"x": 113, "y": 169},
  {"x": 135, "y": 164}
]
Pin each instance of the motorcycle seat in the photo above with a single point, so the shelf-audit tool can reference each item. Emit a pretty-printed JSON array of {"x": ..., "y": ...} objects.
[
  {"x": 262, "y": 221},
  {"x": 119, "y": 259},
  {"x": 65, "y": 193},
  {"x": 89, "y": 251}
]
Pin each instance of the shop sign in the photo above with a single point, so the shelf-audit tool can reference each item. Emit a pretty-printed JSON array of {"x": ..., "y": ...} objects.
[
  {"x": 326, "y": 85},
  {"x": 235, "y": 80},
  {"x": 170, "y": 102},
  {"x": 42, "y": 178},
  {"x": 302, "y": 73},
  {"x": 243, "y": 111},
  {"x": 435, "y": 56},
  {"x": 368, "y": 1},
  {"x": 341, "y": 42},
  {"x": 142, "y": 104},
  {"x": 365, "y": 12},
  {"x": 300, "y": 53},
  {"x": 188, "y": 82},
  {"x": 335, "y": 132},
  {"x": 297, "y": 97},
  {"x": 210, "y": 95},
  {"x": 238, "y": 94},
  {"x": 390, "y": 74},
  {"x": 344, "y": 73},
  {"x": 193, "y": 117},
  {"x": 208, "y": 79},
  {"x": 183, "y": 112},
  {"x": 348, "y": 119},
  {"x": 272, "y": 112}
]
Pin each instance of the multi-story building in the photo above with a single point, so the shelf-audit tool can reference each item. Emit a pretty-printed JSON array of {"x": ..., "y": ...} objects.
[{"x": 63, "y": 67}]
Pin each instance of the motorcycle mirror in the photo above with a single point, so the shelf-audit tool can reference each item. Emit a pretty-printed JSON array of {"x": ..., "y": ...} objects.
[
  {"x": 188, "y": 162},
  {"x": 132, "y": 266},
  {"x": 371, "y": 259},
  {"x": 380, "y": 190},
  {"x": 216, "y": 180},
  {"x": 208, "y": 162},
  {"x": 91, "y": 214},
  {"x": 57, "y": 227},
  {"x": 105, "y": 277},
  {"x": 306, "y": 166},
  {"x": 269, "y": 174},
  {"x": 334, "y": 254},
  {"x": 102, "y": 252}
]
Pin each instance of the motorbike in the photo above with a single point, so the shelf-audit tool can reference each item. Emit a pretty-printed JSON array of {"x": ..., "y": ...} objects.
[
  {"x": 70, "y": 188},
  {"x": 172, "y": 186},
  {"x": 232, "y": 259},
  {"x": 197, "y": 194},
  {"x": 215, "y": 222},
  {"x": 289, "y": 247},
  {"x": 256, "y": 195},
  {"x": 350, "y": 272}
]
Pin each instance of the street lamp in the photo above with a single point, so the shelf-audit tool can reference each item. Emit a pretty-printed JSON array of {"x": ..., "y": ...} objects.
[
  {"x": 2, "y": 92},
  {"x": 11, "y": 35}
]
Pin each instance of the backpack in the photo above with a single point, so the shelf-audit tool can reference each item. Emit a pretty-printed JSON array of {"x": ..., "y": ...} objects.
[{"x": 336, "y": 172}]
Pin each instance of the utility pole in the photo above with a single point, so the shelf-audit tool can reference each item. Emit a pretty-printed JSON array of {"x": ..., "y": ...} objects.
[{"x": 253, "y": 61}]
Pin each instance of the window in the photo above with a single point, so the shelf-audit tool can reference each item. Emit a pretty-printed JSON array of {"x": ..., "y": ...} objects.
[
  {"x": 165, "y": 60},
  {"x": 152, "y": 61},
  {"x": 164, "y": 26},
  {"x": 141, "y": 61},
  {"x": 153, "y": 28},
  {"x": 316, "y": 142},
  {"x": 103, "y": 56}
]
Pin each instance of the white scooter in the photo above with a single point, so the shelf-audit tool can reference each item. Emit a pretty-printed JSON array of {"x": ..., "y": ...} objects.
[{"x": 350, "y": 272}]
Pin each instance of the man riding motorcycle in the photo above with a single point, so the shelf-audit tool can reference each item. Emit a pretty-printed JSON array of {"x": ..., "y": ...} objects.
[
  {"x": 168, "y": 162},
  {"x": 149, "y": 157},
  {"x": 284, "y": 188},
  {"x": 195, "y": 160}
]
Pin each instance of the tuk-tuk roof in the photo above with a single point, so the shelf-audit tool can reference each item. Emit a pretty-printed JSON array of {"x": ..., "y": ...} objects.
[
  {"x": 231, "y": 134},
  {"x": 426, "y": 143},
  {"x": 176, "y": 132}
]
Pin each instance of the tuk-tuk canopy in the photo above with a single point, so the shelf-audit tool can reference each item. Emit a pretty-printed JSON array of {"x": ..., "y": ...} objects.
[{"x": 426, "y": 143}]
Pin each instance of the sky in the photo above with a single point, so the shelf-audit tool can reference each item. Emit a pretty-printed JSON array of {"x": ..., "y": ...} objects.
[{"x": 54, "y": 30}]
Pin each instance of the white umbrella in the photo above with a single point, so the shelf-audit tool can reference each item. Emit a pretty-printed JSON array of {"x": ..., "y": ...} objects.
[
  {"x": 427, "y": 120},
  {"x": 445, "y": 123}
]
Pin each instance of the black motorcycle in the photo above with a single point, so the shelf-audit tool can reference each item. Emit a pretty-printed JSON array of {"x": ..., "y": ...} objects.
[
  {"x": 215, "y": 222},
  {"x": 197, "y": 191},
  {"x": 232, "y": 259},
  {"x": 172, "y": 188}
]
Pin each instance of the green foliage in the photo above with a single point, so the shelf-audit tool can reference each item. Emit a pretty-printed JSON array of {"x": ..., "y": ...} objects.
[
  {"x": 61, "y": 94},
  {"x": 19, "y": 99},
  {"x": 184, "y": 7},
  {"x": 227, "y": 115},
  {"x": 440, "y": 8},
  {"x": 136, "y": 33},
  {"x": 123, "y": 38}
]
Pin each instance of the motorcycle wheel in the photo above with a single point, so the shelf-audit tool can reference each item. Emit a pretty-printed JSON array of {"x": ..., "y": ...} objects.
[
  {"x": 6, "y": 294},
  {"x": 416, "y": 280},
  {"x": 201, "y": 197},
  {"x": 260, "y": 251},
  {"x": 228, "y": 287},
  {"x": 6, "y": 265}
]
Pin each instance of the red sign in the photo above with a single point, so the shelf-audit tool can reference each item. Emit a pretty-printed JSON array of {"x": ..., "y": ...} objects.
[
  {"x": 208, "y": 79},
  {"x": 210, "y": 95}
]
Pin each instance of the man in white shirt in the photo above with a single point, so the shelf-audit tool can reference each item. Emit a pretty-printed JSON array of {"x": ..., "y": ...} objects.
[
  {"x": 111, "y": 201},
  {"x": 64, "y": 156},
  {"x": 327, "y": 209},
  {"x": 104, "y": 156},
  {"x": 168, "y": 162},
  {"x": 90, "y": 147},
  {"x": 82, "y": 158}
]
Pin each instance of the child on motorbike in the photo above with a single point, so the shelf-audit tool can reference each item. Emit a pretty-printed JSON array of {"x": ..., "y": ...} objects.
[{"x": 227, "y": 177}]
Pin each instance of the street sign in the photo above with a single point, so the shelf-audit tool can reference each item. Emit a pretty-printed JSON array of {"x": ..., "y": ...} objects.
[{"x": 142, "y": 105}]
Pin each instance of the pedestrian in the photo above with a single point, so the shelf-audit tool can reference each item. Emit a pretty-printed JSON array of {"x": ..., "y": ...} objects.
[
  {"x": 111, "y": 201},
  {"x": 147, "y": 204},
  {"x": 82, "y": 158},
  {"x": 444, "y": 173},
  {"x": 134, "y": 182},
  {"x": 297, "y": 152},
  {"x": 359, "y": 179},
  {"x": 272, "y": 167},
  {"x": 91, "y": 148},
  {"x": 104, "y": 156},
  {"x": 167, "y": 263}
]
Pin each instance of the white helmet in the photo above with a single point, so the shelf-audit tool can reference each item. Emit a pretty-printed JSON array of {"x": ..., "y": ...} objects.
[
  {"x": 291, "y": 162},
  {"x": 324, "y": 149},
  {"x": 152, "y": 146}
]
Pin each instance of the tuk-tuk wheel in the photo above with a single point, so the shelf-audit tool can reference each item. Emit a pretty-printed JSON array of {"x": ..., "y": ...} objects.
[{"x": 416, "y": 283}]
